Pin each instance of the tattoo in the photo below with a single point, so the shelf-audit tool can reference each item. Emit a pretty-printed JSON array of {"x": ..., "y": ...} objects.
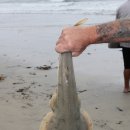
[{"x": 118, "y": 31}]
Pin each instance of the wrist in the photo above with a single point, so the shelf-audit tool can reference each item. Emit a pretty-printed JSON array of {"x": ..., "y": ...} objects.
[{"x": 91, "y": 35}]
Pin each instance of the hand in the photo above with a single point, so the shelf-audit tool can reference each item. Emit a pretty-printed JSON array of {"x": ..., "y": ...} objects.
[{"x": 73, "y": 39}]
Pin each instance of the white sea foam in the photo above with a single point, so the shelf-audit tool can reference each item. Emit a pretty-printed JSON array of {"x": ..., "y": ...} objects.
[{"x": 107, "y": 7}]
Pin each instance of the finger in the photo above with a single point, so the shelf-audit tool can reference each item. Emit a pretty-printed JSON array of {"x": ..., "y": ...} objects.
[
  {"x": 61, "y": 39},
  {"x": 61, "y": 48},
  {"x": 75, "y": 54}
]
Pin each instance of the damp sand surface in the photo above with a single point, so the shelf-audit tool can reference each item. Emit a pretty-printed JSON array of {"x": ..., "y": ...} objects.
[{"x": 28, "y": 73}]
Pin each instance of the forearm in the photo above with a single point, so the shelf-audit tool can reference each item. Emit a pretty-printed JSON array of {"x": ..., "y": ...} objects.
[
  {"x": 76, "y": 39},
  {"x": 118, "y": 31}
]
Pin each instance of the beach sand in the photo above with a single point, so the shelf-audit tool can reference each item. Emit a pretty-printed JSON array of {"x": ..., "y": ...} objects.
[{"x": 27, "y": 43}]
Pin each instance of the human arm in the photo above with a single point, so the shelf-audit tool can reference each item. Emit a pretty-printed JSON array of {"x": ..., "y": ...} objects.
[
  {"x": 115, "y": 45},
  {"x": 76, "y": 39}
]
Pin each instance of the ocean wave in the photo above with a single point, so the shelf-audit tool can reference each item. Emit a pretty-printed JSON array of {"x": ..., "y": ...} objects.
[
  {"x": 44, "y": 1},
  {"x": 98, "y": 7},
  {"x": 57, "y": 0}
]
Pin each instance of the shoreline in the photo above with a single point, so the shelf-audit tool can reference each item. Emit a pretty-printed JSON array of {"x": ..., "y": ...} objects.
[{"x": 27, "y": 43}]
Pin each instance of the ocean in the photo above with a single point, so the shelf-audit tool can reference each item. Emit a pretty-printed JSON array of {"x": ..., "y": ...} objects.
[{"x": 94, "y": 7}]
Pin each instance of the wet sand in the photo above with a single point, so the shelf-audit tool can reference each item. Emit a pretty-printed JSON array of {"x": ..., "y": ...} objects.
[{"x": 27, "y": 44}]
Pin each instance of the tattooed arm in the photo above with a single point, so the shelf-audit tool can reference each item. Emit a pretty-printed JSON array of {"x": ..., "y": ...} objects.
[
  {"x": 76, "y": 39},
  {"x": 118, "y": 31}
]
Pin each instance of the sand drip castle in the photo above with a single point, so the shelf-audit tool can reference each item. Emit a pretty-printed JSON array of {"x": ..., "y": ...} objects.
[{"x": 65, "y": 104}]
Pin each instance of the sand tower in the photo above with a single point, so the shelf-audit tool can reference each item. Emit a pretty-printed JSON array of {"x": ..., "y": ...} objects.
[{"x": 65, "y": 104}]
